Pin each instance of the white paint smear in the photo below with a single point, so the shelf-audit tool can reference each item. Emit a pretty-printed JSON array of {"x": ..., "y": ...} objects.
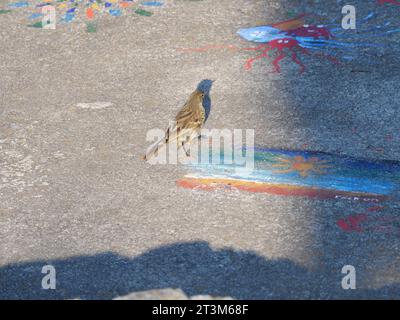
[{"x": 94, "y": 105}]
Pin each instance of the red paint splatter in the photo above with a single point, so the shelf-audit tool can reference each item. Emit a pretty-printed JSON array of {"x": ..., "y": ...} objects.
[
  {"x": 89, "y": 13},
  {"x": 280, "y": 45},
  {"x": 370, "y": 223},
  {"x": 311, "y": 31},
  {"x": 352, "y": 223}
]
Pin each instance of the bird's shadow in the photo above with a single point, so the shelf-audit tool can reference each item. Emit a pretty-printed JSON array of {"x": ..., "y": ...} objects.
[{"x": 205, "y": 86}]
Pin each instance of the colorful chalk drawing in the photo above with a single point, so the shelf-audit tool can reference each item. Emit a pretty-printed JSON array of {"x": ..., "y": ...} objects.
[
  {"x": 293, "y": 37},
  {"x": 301, "y": 173},
  {"x": 88, "y": 10},
  {"x": 301, "y": 165}
]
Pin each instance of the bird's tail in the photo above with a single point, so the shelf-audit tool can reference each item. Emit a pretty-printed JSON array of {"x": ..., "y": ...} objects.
[{"x": 154, "y": 149}]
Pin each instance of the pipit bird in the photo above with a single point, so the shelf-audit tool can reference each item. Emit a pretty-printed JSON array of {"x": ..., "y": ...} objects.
[{"x": 187, "y": 126}]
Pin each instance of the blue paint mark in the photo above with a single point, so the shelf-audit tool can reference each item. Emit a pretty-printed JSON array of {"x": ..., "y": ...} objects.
[
  {"x": 153, "y": 3},
  {"x": 115, "y": 12},
  {"x": 68, "y": 17},
  {"x": 329, "y": 171},
  {"x": 43, "y": 4},
  {"x": 262, "y": 34},
  {"x": 35, "y": 16},
  {"x": 19, "y": 4}
]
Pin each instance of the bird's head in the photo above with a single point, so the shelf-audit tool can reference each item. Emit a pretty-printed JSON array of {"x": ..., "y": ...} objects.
[{"x": 198, "y": 95}]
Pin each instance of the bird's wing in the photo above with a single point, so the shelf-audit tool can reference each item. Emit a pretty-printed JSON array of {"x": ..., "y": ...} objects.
[
  {"x": 190, "y": 117},
  {"x": 187, "y": 125},
  {"x": 185, "y": 114}
]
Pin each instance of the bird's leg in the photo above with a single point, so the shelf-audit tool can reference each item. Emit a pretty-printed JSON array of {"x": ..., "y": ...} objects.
[
  {"x": 201, "y": 136},
  {"x": 186, "y": 151},
  {"x": 167, "y": 136},
  {"x": 188, "y": 139},
  {"x": 185, "y": 158}
]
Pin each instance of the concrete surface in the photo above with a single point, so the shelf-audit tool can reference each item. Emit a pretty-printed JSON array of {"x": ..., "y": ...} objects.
[{"x": 75, "y": 193}]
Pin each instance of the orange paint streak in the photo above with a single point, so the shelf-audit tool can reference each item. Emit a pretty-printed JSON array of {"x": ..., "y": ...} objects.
[
  {"x": 124, "y": 4},
  {"x": 210, "y": 184},
  {"x": 290, "y": 24}
]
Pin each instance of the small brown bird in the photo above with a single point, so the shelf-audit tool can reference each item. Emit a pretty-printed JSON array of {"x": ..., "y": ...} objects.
[{"x": 187, "y": 125}]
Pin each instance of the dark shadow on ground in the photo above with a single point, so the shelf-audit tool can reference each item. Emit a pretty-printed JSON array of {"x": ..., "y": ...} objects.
[
  {"x": 334, "y": 109},
  {"x": 194, "y": 267}
]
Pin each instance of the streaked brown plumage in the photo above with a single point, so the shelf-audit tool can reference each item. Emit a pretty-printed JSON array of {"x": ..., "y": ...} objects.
[{"x": 187, "y": 126}]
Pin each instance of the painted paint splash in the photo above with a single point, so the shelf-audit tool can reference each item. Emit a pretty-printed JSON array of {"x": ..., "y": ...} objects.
[
  {"x": 70, "y": 10},
  {"x": 292, "y": 38},
  {"x": 311, "y": 39},
  {"x": 300, "y": 173}
]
